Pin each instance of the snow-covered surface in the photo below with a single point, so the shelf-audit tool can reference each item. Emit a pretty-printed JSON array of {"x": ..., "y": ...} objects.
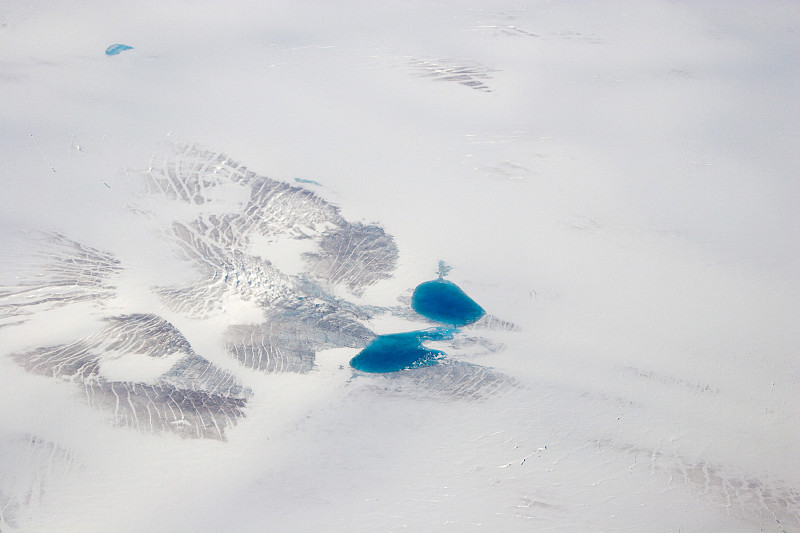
[{"x": 616, "y": 184}]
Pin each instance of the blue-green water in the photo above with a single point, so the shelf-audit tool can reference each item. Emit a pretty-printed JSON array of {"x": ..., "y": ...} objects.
[
  {"x": 390, "y": 353},
  {"x": 443, "y": 301},
  {"x": 309, "y": 182},
  {"x": 439, "y": 300},
  {"x": 115, "y": 49}
]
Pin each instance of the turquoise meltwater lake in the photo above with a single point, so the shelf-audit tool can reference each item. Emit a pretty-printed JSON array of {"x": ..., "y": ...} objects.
[
  {"x": 445, "y": 302},
  {"x": 390, "y": 353},
  {"x": 438, "y": 300}
]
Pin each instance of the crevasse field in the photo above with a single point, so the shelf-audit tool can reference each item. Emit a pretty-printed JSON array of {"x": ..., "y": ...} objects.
[{"x": 199, "y": 233}]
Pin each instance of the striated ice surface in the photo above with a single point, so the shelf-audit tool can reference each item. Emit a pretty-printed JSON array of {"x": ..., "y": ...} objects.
[
  {"x": 191, "y": 397},
  {"x": 447, "y": 381},
  {"x": 211, "y": 212},
  {"x": 56, "y": 271},
  {"x": 25, "y": 482},
  {"x": 217, "y": 244},
  {"x": 290, "y": 341},
  {"x": 466, "y": 73}
]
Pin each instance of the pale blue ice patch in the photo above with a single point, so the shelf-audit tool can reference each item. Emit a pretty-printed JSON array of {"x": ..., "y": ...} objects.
[
  {"x": 115, "y": 49},
  {"x": 309, "y": 182}
]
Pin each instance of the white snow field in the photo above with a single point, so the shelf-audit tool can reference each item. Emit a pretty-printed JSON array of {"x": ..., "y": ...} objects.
[{"x": 198, "y": 233}]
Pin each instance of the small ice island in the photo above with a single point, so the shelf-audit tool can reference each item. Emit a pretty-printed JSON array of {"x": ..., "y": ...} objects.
[{"x": 439, "y": 300}]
